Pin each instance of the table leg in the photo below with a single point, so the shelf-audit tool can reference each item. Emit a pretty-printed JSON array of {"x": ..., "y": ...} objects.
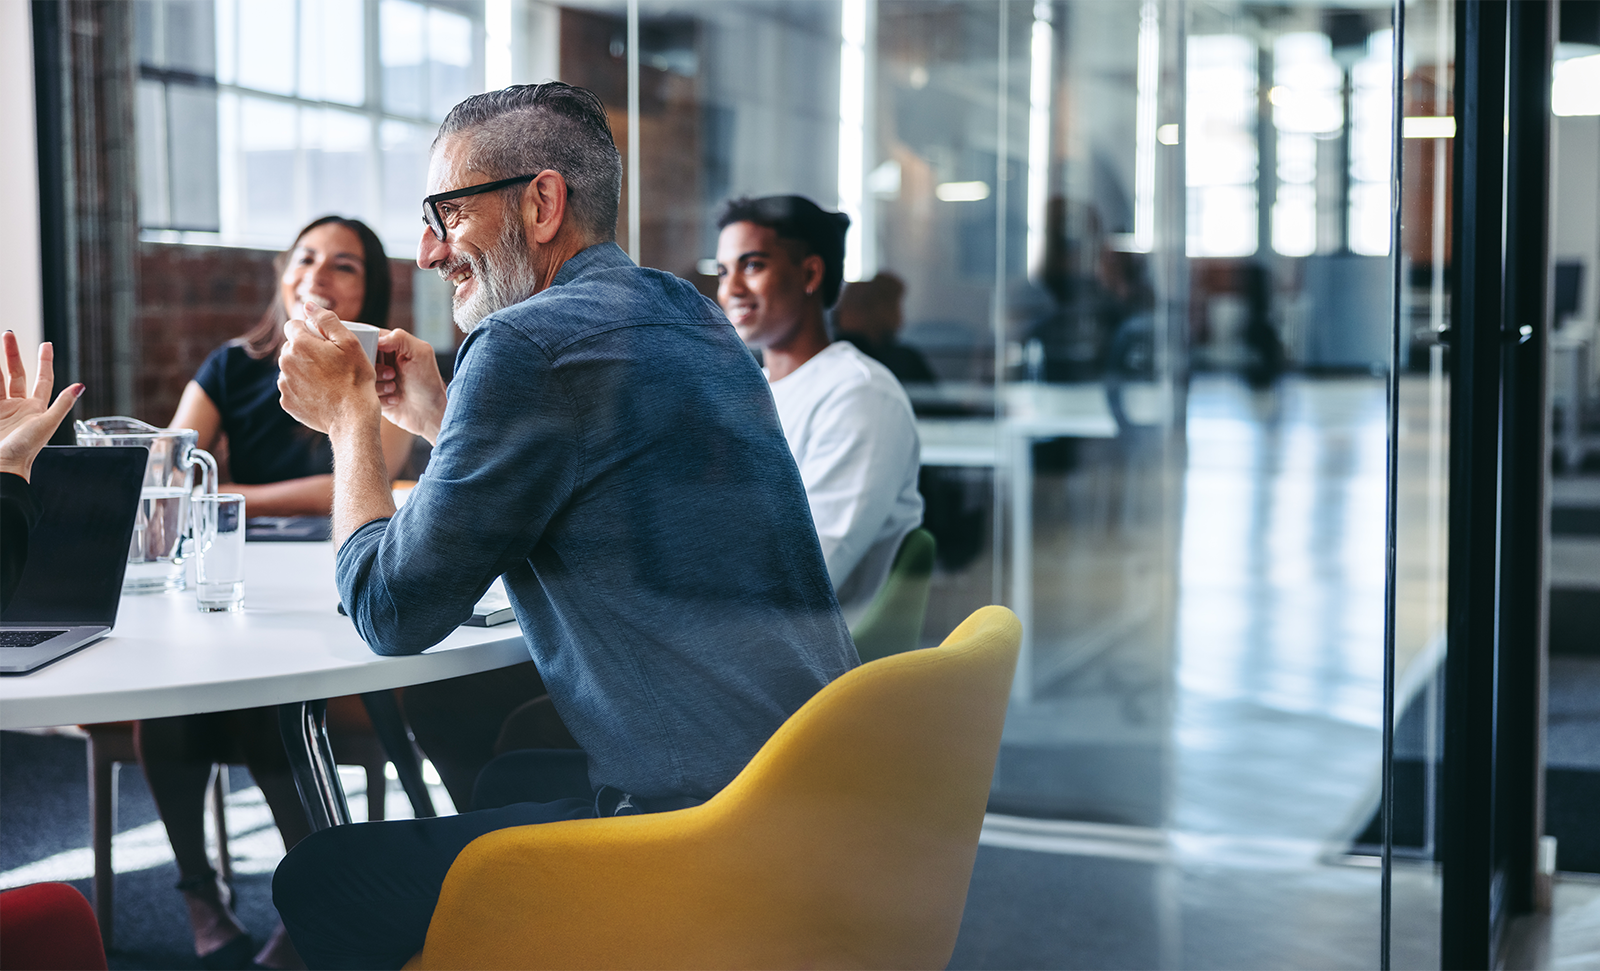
[
  {"x": 1020, "y": 446},
  {"x": 305, "y": 739}
]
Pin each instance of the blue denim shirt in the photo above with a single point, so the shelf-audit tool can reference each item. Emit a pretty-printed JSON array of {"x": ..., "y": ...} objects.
[{"x": 611, "y": 447}]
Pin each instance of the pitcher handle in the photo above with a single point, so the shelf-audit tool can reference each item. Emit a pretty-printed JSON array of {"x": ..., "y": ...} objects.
[{"x": 208, "y": 467}]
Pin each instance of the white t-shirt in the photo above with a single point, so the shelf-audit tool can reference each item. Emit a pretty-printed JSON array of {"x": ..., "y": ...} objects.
[{"x": 850, "y": 427}]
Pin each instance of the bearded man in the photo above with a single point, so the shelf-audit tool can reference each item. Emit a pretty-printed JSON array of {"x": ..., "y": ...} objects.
[{"x": 608, "y": 446}]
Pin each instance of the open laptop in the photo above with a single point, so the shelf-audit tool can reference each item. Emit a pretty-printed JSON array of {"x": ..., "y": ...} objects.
[{"x": 69, "y": 591}]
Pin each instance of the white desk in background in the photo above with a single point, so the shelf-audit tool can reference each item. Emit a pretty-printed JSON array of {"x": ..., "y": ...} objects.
[
  {"x": 288, "y": 647},
  {"x": 1031, "y": 413}
]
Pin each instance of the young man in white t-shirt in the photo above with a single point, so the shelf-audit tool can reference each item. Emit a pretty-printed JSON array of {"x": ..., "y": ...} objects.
[{"x": 780, "y": 263}]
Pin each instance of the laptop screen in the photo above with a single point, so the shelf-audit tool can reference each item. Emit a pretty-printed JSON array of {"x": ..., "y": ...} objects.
[{"x": 79, "y": 549}]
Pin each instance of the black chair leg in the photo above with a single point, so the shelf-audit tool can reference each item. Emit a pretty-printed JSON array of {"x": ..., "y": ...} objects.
[{"x": 390, "y": 727}]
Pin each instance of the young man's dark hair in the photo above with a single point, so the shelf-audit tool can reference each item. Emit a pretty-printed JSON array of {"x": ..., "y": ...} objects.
[{"x": 801, "y": 221}]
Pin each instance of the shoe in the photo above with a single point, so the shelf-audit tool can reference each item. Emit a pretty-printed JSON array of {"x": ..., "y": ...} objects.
[{"x": 239, "y": 953}]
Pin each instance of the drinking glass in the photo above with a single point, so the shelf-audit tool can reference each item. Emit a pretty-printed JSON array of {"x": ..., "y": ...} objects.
[{"x": 219, "y": 543}]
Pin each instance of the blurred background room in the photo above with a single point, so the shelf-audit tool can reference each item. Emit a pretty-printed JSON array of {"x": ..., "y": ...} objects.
[{"x": 1184, "y": 397}]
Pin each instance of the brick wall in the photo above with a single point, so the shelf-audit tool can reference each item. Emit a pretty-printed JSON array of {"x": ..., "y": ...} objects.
[{"x": 192, "y": 299}]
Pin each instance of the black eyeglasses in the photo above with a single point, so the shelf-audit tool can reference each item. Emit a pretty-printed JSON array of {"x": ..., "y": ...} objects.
[{"x": 430, "y": 204}]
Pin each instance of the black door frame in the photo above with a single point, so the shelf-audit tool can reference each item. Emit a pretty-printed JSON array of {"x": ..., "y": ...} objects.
[
  {"x": 1492, "y": 783},
  {"x": 51, "y": 138}
]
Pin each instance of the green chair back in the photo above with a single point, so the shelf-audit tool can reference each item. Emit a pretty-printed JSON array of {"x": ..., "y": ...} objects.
[{"x": 892, "y": 623}]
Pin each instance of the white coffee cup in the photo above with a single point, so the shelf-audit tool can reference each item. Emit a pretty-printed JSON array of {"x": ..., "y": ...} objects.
[{"x": 367, "y": 335}]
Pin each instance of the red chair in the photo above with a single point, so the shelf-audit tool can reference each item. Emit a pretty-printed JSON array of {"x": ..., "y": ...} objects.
[{"x": 48, "y": 927}]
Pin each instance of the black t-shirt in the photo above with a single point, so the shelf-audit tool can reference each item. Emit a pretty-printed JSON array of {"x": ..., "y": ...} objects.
[{"x": 264, "y": 443}]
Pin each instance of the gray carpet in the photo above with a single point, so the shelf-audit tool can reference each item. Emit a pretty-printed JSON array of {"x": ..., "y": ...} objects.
[{"x": 44, "y": 810}]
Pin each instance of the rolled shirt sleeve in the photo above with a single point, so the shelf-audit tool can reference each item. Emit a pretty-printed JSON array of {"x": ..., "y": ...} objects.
[
  {"x": 611, "y": 449},
  {"x": 505, "y": 463}
]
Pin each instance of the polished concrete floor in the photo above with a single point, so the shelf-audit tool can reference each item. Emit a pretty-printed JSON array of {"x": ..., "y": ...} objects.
[
  {"x": 1258, "y": 745},
  {"x": 1179, "y": 787}
]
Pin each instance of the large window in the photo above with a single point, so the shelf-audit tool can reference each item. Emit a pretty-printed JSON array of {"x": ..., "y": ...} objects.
[
  {"x": 1308, "y": 114},
  {"x": 1314, "y": 88},
  {"x": 1371, "y": 143},
  {"x": 1222, "y": 156},
  {"x": 256, "y": 116}
]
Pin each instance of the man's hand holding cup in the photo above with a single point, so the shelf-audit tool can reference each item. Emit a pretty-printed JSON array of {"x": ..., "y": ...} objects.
[{"x": 325, "y": 374}]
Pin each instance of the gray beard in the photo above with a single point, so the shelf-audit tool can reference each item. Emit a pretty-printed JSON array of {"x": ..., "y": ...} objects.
[{"x": 505, "y": 275}]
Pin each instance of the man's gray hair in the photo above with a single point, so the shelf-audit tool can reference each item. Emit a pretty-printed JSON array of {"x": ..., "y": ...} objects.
[{"x": 527, "y": 128}]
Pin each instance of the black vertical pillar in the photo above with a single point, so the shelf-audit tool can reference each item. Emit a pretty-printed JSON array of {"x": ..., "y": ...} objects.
[
  {"x": 1469, "y": 908},
  {"x": 50, "y": 121},
  {"x": 1525, "y": 457}
]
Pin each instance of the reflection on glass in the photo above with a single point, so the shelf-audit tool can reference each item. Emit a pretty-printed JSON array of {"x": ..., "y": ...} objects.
[
  {"x": 1575, "y": 89},
  {"x": 1371, "y": 142},
  {"x": 1572, "y": 704},
  {"x": 1159, "y": 439},
  {"x": 1422, "y": 494},
  {"x": 1306, "y": 103},
  {"x": 1222, "y": 156}
]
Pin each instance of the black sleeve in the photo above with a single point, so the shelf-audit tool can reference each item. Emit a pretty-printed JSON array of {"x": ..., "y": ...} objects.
[
  {"x": 19, "y": 511},
  {"x": 213, "y": 375}
]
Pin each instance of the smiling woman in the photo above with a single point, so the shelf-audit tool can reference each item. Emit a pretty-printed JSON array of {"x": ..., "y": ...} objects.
[{"x": 281, "y": 468}]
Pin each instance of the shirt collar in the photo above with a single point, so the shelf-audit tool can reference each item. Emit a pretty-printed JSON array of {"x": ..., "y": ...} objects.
[{"x": 600, "y": 256}]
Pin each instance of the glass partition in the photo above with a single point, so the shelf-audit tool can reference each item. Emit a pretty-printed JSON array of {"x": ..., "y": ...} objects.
[
  {"x": 1422, "y": 477},
  {"x": 1146, "y": 326},
  {"x": 1143, "y": 307}
]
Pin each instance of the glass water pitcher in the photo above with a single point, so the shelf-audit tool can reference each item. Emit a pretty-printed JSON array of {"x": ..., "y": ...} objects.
[{"x": 161, "y": 531}]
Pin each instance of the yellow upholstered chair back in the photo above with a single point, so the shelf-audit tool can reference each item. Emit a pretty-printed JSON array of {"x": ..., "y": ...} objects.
[{"x": 847, "y": 842}]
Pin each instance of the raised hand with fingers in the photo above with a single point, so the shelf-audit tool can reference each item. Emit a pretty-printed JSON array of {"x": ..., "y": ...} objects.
[{"x": 28, "y": 417}]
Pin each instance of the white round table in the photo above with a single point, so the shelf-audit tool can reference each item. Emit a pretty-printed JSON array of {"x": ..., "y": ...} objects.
[{"x": 289, "y": 646}]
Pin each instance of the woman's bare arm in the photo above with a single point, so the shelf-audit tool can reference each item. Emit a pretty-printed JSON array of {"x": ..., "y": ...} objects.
[{"x": 196, "y": 410}]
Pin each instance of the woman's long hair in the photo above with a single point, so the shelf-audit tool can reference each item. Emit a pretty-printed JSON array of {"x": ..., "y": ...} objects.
[{"x": 264, "y": 339}]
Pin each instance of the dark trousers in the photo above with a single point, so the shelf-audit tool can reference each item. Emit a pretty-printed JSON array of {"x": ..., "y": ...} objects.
[{"x": 361, "y": 896}]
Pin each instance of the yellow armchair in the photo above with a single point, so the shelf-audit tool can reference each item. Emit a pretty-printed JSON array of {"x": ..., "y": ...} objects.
[{"x": 847, "y": 842}]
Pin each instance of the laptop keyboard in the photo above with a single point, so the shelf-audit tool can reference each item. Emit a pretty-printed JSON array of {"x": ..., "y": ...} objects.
[{"x": 27, "y": 638}]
